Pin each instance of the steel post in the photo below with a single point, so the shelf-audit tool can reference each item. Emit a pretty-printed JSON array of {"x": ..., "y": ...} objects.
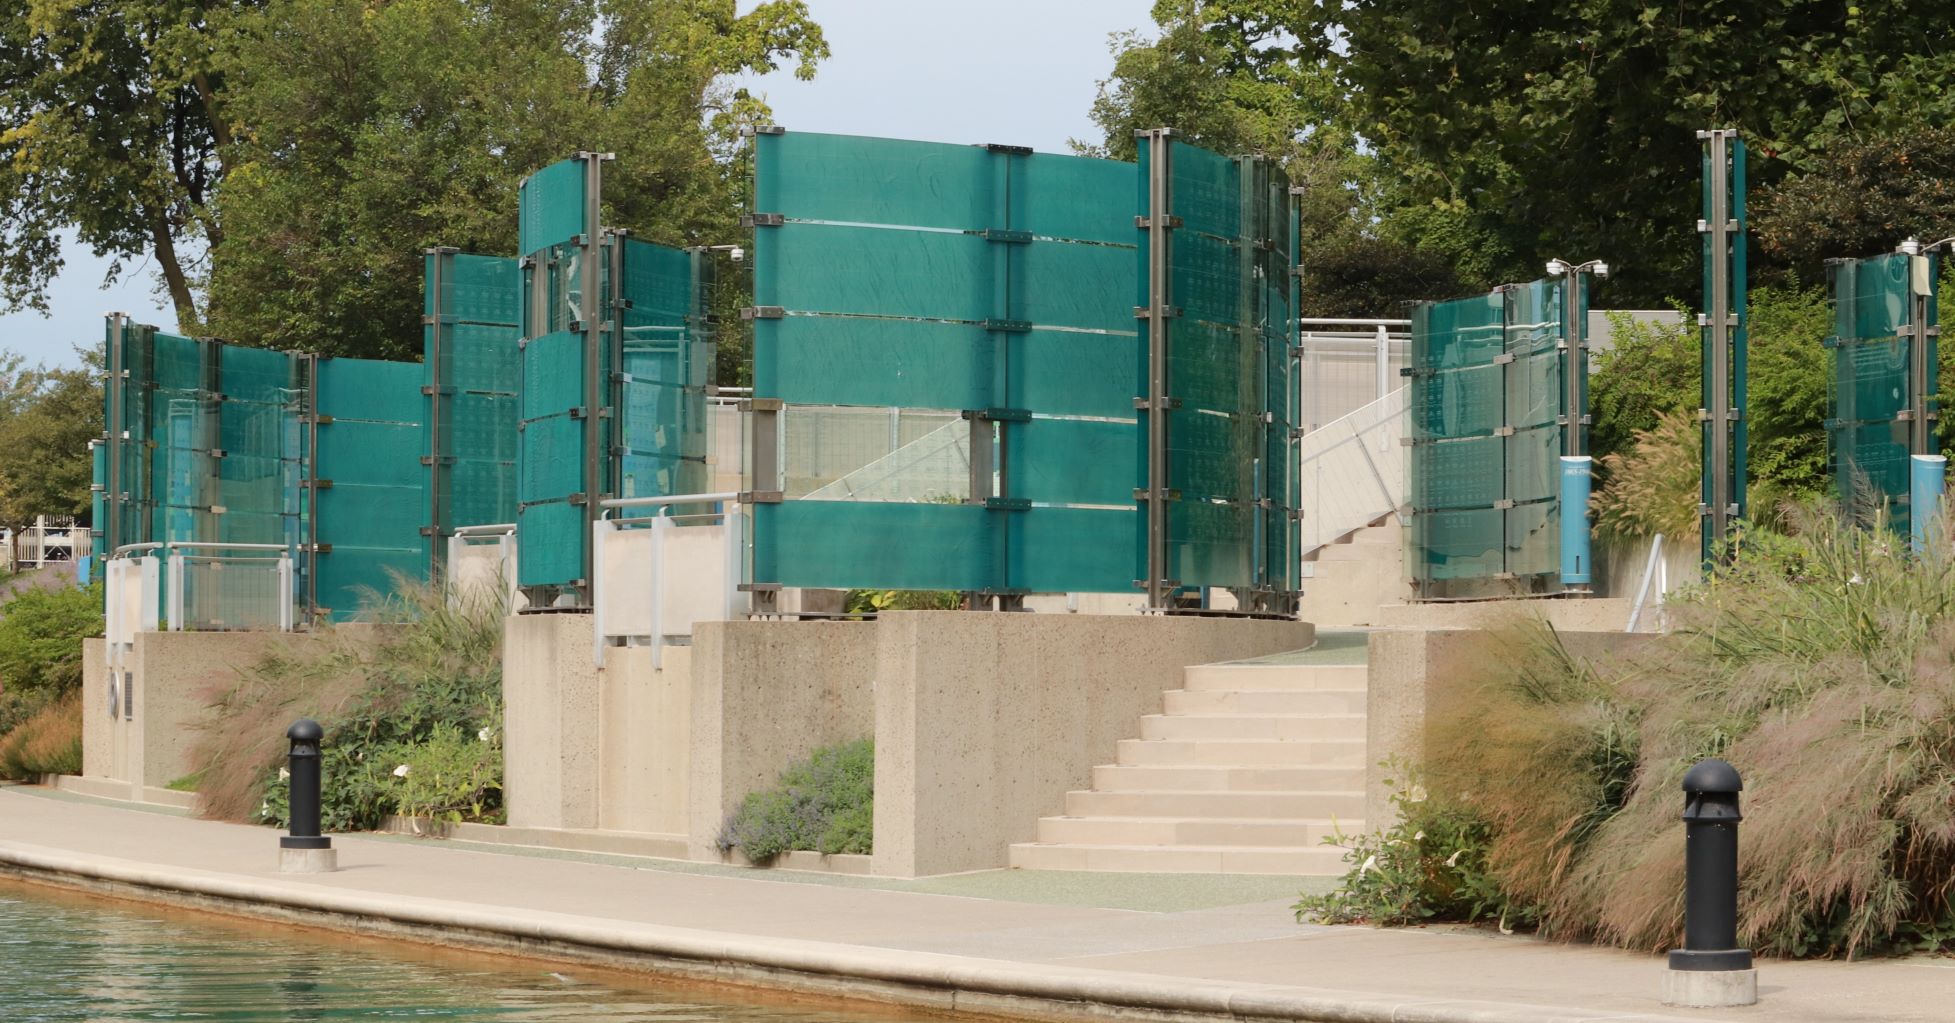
[{"x": 1159, "y": 141}]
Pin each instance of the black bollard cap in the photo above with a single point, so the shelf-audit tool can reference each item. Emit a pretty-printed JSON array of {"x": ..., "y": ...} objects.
[
  {"x": 1712, "y": 776},
  {"x": 308, "y": 730}
]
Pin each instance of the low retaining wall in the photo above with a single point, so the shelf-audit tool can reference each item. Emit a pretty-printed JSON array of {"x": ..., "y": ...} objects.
[{"x": 982, "y": 721}]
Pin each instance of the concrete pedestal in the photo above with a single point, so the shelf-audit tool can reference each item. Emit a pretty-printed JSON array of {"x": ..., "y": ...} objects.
[
  {"x": 1710, "y": 989},
  {"x": 307, "y": 861}
]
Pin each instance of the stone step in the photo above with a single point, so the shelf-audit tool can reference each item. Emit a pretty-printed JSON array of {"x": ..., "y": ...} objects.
[
  {"x": 1245, "y": 831},
  {"x": 1341, "y": 805},
  {"x": 1242, "y": 752},
  {"x": 1265, "y": 701},
  {"x": 1252, "y": 726},
  {"x": 1209, "y": 778},
  {"x": 1212, "y": 677},
  {"x": 1322, "y": 861}
]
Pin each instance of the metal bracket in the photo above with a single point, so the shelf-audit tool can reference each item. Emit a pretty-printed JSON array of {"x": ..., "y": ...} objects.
[
  {"x": 1000, "y": 147},
  {"x": 1142, "y": 312},
  {"x": 1164, "y": 403},
  {"x": 763, "y": 220},
  {"x": 1144, "y": 494},
  {"x": 1009, "y": 326},
  {"x": 769, "y": 129},
  {"x": 1006, "y": 236},
  {"x": 763, "y": 312},
  {"x": 999, "y": 415},
  {"x": 760, "y": 497},
  {"x": 1503, "y": 504},
  {"x": 1503, "y": 431},
  {"x": 1146, "y": 222},
  {"x": 762, "y": 405},
  {"x": 1008, "y": 503},
  {"x": 1503, "y": 358}
]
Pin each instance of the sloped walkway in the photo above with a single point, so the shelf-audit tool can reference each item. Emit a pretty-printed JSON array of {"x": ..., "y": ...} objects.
[{"x": 1209, "y": 958}]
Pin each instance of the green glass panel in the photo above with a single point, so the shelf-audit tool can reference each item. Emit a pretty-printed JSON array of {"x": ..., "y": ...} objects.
[
  {"x": 1872, "y": 386},
  {"x": 550, "y": 544},
  {"x": 876, "y": 272},
  {"x": 859, "y": 361},
  {"x": 857, "y": 544},
  {"x": 552, "y": 206},
  {"x": 1075, "y": 198},
  {"x": 1448, "y": 545},
  {"x": 1062, "y": 550},
  {"x": 862, "y": 180},
  {"x": 372, "y": 500},
  {"x": 352, "y": 581},
  {"x": 1211, "y": 366},
  {"x": 1055, "y": 284},
  {"x": 1207, "y": 191},
  {"x": 371, "y": 390},
  {"x": 474, "y": 289},
  {"x": 1533, "y": 464},
  {"x": 1462, "y": 473},
  {"x": 1213, "y": 456},
  {"x": 658, "y": 282},
  {"x": 1534, "y": 538},
  {"x": 552, "y": 466},
  {"x": 553, "y": 375},
  {"x": 1063, "y": 461},
  {"x": 1210, "y": 544},
  {"x": 1046, "y": 371}
]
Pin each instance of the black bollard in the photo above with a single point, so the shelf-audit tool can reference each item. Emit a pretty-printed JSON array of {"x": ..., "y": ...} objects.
[
  {"x": 1710, "y": 821},
  {"x": 303, "y": 832}
]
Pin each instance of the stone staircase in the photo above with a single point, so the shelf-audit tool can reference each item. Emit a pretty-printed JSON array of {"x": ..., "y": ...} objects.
[
  {"x": 1346, "y": 582},
  {"x": 1248, "y": 770}
]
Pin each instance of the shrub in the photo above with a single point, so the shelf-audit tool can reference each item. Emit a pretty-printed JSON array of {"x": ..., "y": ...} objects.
[
  {"x": 825, "y": 803},
  {"x": 422, "y": 691},
  {"x": 1431, "y": 864},
  {"x": 863, "y": 602},
  {"x": 1820, "y": 663},
  {"x": 47, "y": 743},
  {"x": 40, "y": 637}
]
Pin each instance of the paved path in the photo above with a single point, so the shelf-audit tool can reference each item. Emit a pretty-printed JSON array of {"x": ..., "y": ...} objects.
[{"x": 1249, "y": 959}]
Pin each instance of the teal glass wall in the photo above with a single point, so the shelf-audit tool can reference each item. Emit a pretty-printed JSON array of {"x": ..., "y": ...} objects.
[
  {"x": 471, "y": 311},
  {"x": 1231, "y": 296},
  {"x": 951, "y": 283},
  {"x": 1487, "y": 429},
  {"x": 647, "y": 351},
  {"x": 370, "y": 483},
  {"x": 1873, "y": 380}
]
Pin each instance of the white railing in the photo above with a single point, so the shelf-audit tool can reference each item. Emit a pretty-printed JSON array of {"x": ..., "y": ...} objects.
[
  {"x": 207, "y": 586},
  {"x": 655, "y": 575},
  {"x": 482, "y": 559},
  {"x": 1348, "y": 363},
  {"x": 1353, "y": 471}
]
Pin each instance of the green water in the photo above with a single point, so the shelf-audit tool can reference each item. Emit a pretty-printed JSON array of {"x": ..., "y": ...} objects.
[{"x": 66, "y": 959}]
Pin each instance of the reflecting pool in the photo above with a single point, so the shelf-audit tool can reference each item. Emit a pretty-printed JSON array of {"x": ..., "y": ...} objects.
[{"x": 71, "y": 958}]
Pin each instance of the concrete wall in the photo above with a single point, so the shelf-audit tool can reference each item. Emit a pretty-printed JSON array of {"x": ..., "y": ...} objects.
[
  {"x": 1566, "y": 614},
  {"x": 1415, "y": 678},
  {"x": 765, "y": 694},
  {"x": 645, "y": 752},
  {"x": 173, "y": 676},
  {"x": 551, "y": 714},
  {"x": 983, "y": 722}
]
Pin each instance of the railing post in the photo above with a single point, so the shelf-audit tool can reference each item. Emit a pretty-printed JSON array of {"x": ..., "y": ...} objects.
[{"x": 175, "y": 611}]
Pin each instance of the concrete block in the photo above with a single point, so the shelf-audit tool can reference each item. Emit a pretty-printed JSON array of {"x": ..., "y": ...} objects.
[
  {"x": 307, "y": 861},
  {"x": 1710, "y": 989}
]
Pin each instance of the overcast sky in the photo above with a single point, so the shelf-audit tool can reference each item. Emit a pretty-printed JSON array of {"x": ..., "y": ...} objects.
[{"x": 1019, "y": 72}]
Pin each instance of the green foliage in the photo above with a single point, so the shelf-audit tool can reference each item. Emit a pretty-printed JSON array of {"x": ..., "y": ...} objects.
[
  {"x": 1860, "y": 198},
  {"x": 371, "y": 131},
  {"x": 1650, "y": 369},
  {"x": 40, "y": 638},
  {"x": 110, "y": 127},
  {"x": 45, "y": 427},
  {"x": 1789, "y": 373},
  {"x": 1821, "y": 663},
  {"x": 1430, "y": 864},
  {"x": 1655, "y": 486},
  {"x": 412, "y": 711},
  {"x": 867, "y": 602},
  {"x": 1570, "y": 130},
  {"x": 49, "y": 742},
  {"x": 825, "y": 803},
  {"x": 1366, "y": 277}
]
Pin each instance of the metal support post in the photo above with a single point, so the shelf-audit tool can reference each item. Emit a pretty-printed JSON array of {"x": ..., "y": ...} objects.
[
  {"x": 1723, "y": 336},
  {"x": 311, "y": 364},
  {"x": 1384, "y": 385},
  {"x": 440, "y": 260},
  {"x": 117, "y": 366},
  {"x": 1158, "y": 222},
  {"x": 596, "y": 381}
]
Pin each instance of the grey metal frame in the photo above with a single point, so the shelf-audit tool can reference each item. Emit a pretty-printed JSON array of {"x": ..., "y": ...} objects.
[
  {"x": 436, "y": 387},
  {"x": 1159, "y": 310},
  {"x": 1722, "y": 506}
]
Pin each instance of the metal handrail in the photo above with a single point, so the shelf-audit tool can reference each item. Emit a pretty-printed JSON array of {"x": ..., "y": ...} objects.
[
  {"x": 1346, "y": 321},
  {"x": 1649, "y": 573},
  {"x": 665, "y": 499},
  {"x": 200, "y": 545},
  {"x": 484, "y": 530}
]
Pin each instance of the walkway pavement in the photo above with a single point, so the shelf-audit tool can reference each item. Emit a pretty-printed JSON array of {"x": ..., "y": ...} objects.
[{"x": 1221, "y": 949}]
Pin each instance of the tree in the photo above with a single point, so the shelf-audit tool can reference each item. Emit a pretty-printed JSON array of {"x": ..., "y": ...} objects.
[
  {"x": 369, "y": 133},
  {"x": 1860, "y": 198},
  {"x": 112, "y": 131},
  {"x": 45, "y": 465},
  {"x": 1568, "y": 129}
]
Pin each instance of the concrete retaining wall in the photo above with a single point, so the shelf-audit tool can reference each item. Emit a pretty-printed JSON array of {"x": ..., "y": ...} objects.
[{"x": 1417, "y": 676}]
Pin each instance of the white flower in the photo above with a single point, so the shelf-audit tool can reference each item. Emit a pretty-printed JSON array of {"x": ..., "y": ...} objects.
[
  {"x": 485, "y": 735},
  {"x": 1416, "y": 794},
  {"x": 401, "y": 771},
  {"x": 1369, "y": 862},
  {"x": 1856, "y": 580},
  {"x": 284, "y": 774},
  {"x": 1420, "y": 837},
  {"x": 1453, "y": 860}
]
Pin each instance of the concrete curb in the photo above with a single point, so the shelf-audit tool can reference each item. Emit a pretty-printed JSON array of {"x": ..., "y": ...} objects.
[{"x": 930, "y": 980}]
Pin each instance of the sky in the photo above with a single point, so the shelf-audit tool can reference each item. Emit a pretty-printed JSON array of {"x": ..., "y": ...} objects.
[{"x": 1017, "y": 72}]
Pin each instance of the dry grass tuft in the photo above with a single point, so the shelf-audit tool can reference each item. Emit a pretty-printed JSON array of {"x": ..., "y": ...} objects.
[{"x": 49, "y": 742}]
